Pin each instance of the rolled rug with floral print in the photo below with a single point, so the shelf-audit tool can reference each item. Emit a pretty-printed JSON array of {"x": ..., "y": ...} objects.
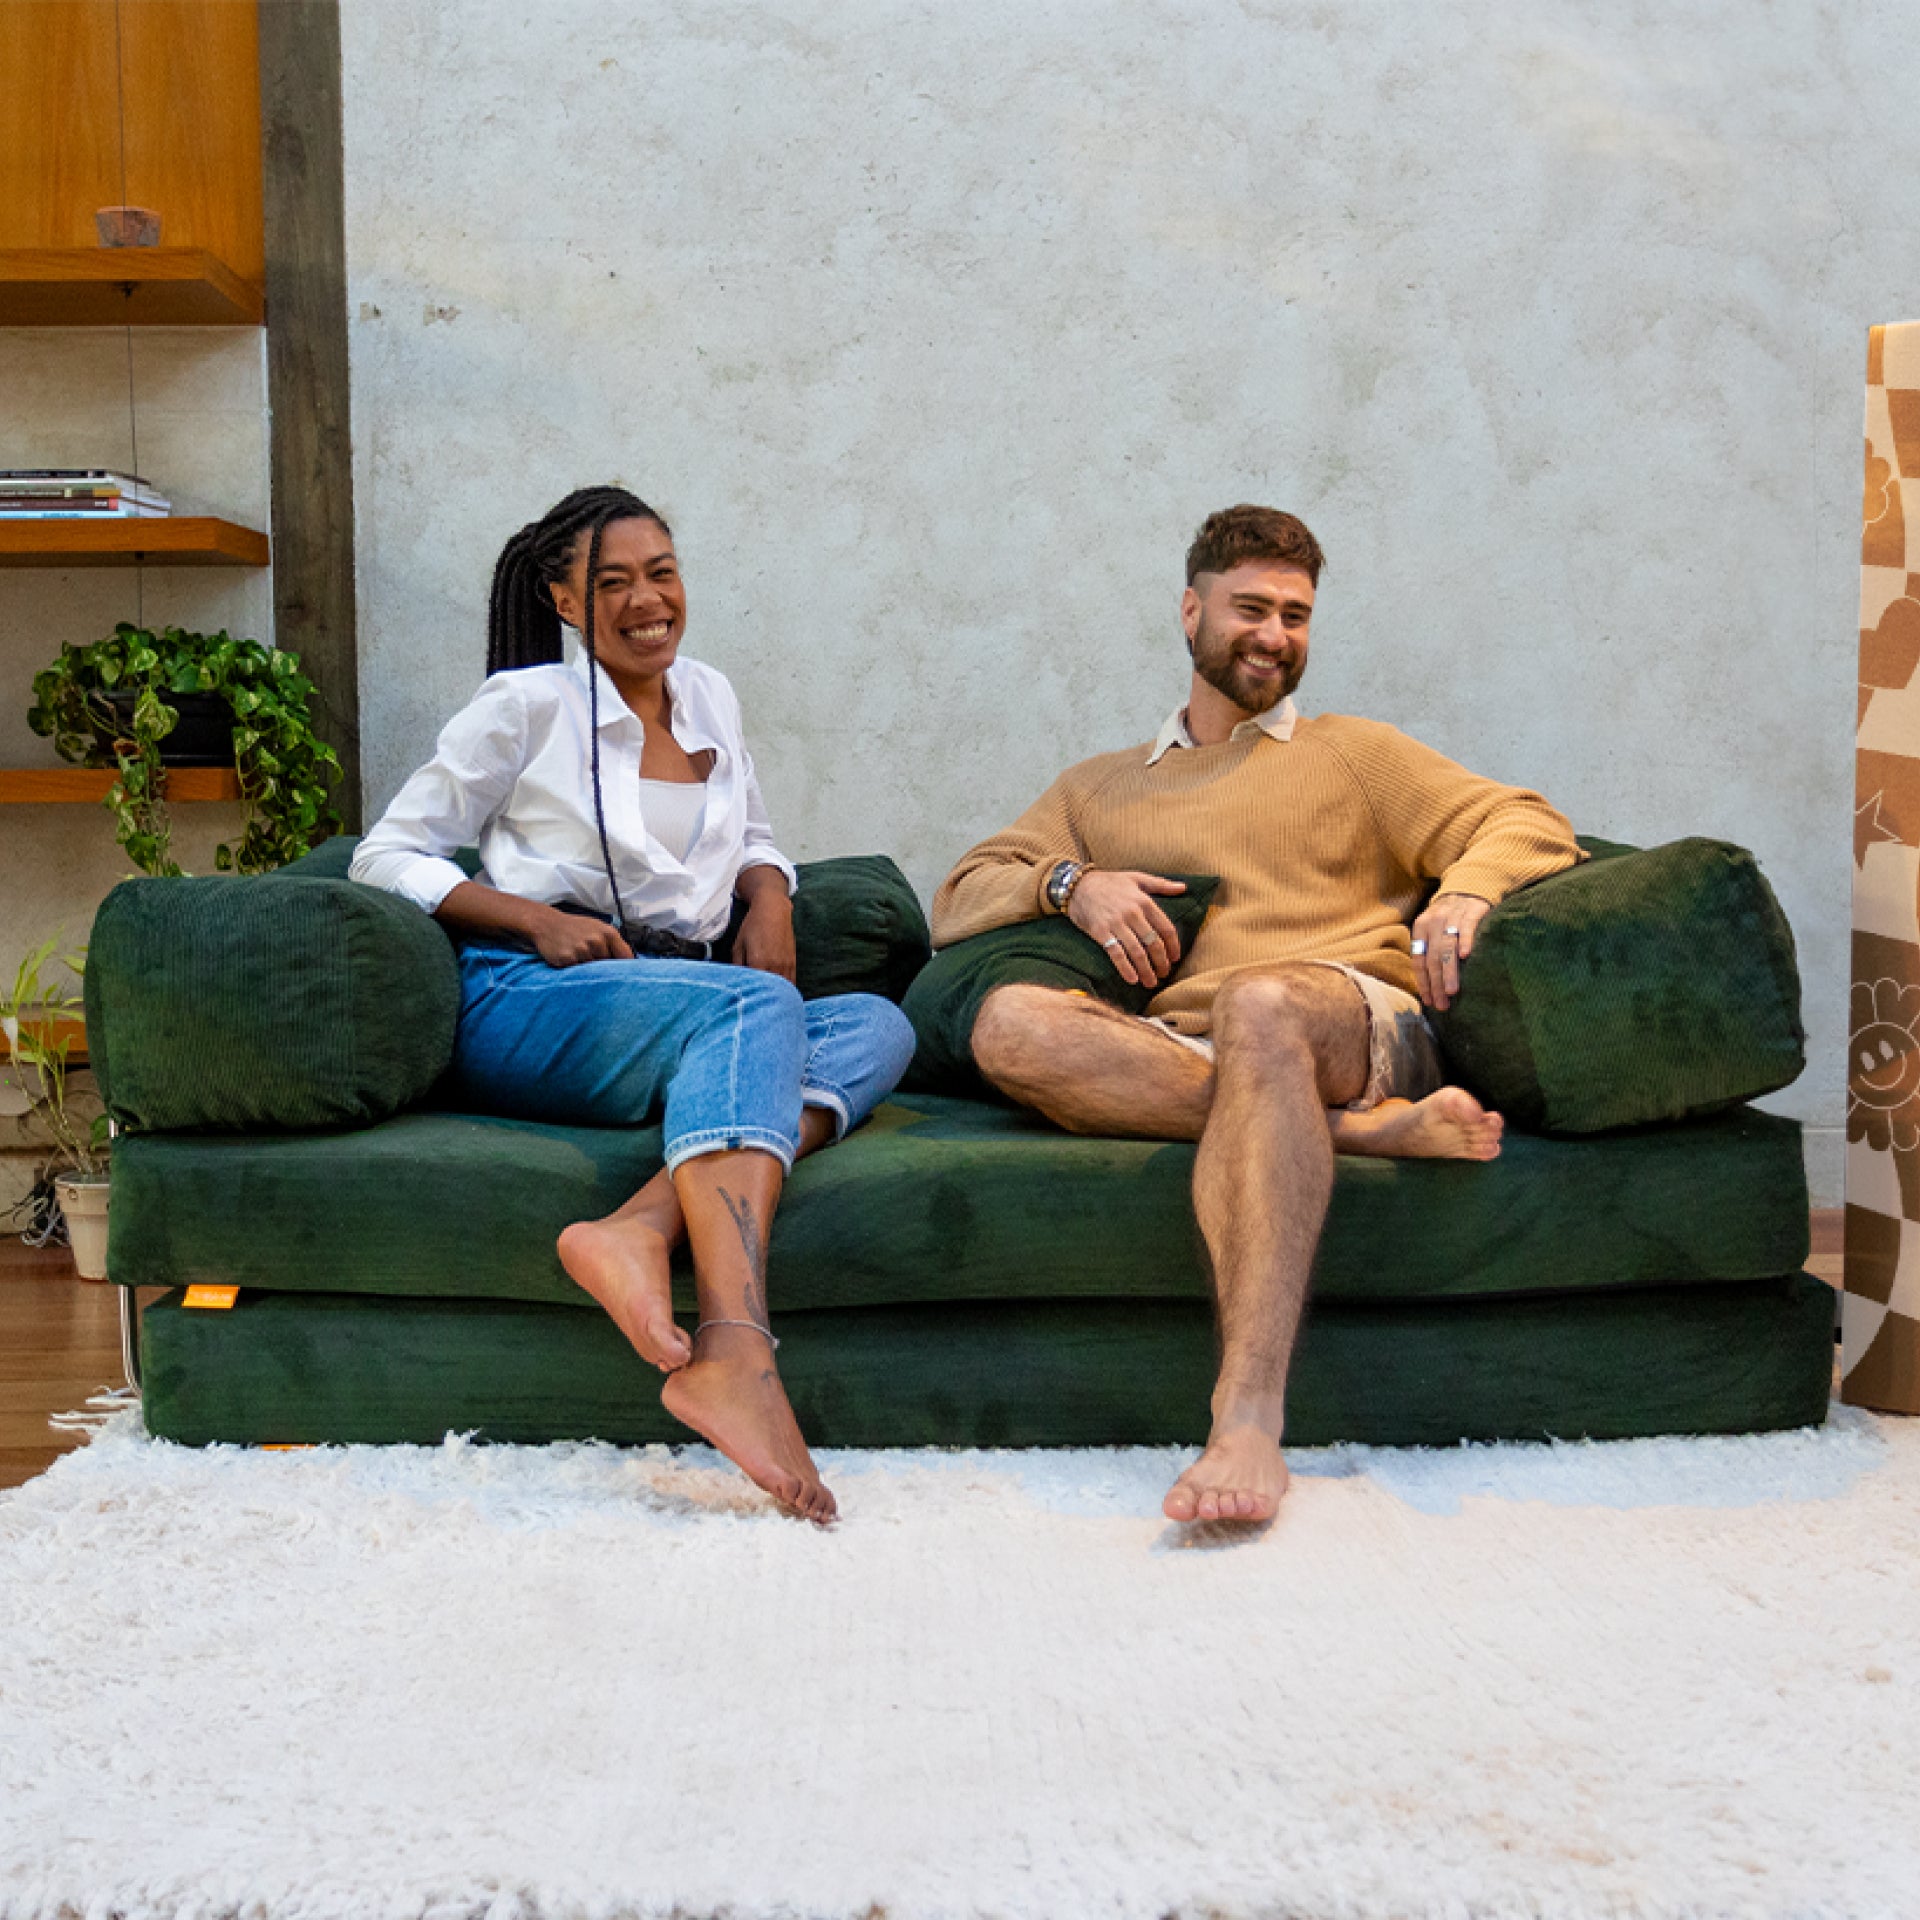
[{"x": 1880, "y": 1316}]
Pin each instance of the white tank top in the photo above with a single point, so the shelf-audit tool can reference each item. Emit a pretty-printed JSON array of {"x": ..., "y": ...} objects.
[{"x": 672, "y": 811}]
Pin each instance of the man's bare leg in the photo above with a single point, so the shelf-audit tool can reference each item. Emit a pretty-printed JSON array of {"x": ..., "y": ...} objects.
[
  {"x": 1093, "y": 1069},
  {"x": 1089, "y": 1067},
  {"x": 729, "y": 1392},
  {"x": 625, "y": 1259},
  {"x": 1288, "y": 1045},
  {"x": 1290, "y": 1049}
]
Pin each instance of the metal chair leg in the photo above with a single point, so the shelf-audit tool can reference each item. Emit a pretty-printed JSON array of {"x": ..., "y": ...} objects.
[{"x": 130, "y": 1338}]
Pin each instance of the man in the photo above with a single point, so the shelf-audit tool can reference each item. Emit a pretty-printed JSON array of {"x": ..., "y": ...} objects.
[{"x": 1294, "y": 1029}]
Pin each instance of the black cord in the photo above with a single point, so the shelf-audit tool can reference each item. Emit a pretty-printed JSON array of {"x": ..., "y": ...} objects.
[{"x": 593, "y": 720}]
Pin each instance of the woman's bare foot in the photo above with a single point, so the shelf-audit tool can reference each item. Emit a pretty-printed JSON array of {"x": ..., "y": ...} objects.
[
  {"x": 1241, "y": 1476},
  {"x": 627, "y": 1266},
  {"x": 1448, "y": 1125},
  {"x": 731, "y": 1396}
]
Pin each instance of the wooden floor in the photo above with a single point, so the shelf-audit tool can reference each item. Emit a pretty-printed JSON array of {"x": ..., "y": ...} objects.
[{"x": 60, "y": 1341}]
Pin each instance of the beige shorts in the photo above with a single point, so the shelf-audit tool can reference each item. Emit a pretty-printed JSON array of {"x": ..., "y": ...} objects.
[{"x": 1403, "y": 1059}]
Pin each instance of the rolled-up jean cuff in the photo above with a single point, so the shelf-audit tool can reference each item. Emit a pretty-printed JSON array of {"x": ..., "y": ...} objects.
[
  {"x": 690, "y": 1146},
  {"x": 835, "y": 1102}
]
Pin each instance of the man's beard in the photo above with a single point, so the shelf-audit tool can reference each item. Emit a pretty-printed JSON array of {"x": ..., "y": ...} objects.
[{"x": 1220, "y": 667}]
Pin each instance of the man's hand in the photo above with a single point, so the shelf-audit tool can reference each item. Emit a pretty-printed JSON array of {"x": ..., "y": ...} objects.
[
  {"x": 765, "y": 939},
  {"x": 1447, "y": 927},
  {"x": 566, "y": 939},
  {"x": 1120, "y": 911}
]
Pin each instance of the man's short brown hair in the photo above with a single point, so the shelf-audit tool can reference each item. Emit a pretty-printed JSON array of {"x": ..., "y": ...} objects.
[{"x": 1235, "y": 535}]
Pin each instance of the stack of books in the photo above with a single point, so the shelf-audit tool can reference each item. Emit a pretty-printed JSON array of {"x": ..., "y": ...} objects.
[{"x": 77, "y": 493}]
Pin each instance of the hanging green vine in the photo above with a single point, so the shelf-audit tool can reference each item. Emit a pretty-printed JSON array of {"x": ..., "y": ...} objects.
[{"x": 285, "y": 770}]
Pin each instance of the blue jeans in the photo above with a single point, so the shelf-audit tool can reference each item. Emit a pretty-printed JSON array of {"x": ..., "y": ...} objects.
[{"x": 725, "y": 1056}]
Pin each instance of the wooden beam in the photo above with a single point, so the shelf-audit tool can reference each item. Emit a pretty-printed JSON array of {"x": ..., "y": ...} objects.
[{"x": 307, "y": 380}]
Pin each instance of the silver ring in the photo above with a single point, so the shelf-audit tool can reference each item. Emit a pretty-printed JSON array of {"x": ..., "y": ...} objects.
[
  {"x": 1453, "y": 933},
  {"x": 1419, "y": 947},
  {"x": 1110, "y": 942}
]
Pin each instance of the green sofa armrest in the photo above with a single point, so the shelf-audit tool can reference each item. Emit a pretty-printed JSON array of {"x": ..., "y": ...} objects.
[
  {"x": 237, "y": 1004},
  {"x": 1645, "y": 986}
]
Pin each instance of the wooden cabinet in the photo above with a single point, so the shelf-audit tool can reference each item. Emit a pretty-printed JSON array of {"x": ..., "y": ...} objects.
[{"x": 154, "y": 104}]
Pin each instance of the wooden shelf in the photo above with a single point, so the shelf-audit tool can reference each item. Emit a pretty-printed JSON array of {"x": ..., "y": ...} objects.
[
  {"x": 124, "y": 286},
  {"x": 36, "y": 786},
  {"x": 186, "y": 541},
  {"x": 73, "y": 1032}
]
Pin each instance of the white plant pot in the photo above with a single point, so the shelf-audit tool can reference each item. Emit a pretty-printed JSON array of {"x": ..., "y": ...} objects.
[{"x": 83, "y": 1201}]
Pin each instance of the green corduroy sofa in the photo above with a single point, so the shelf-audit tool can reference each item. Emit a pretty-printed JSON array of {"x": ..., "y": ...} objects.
[{"x": 958, "y": 1273}]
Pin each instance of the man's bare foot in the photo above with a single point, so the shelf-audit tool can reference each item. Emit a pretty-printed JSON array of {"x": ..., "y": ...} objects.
[
  {"x": 1241, "y": 1476},
  {"x": 731, "y": 1396},
  {"x": 1448, "y": 1125},
  {"x": 627, "y": 1266}
]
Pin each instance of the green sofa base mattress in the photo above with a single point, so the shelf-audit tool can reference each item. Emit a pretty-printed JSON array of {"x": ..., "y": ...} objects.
[
  {"x": 1710, "y": 1358},
  {"x": 946, "y": 1200}
]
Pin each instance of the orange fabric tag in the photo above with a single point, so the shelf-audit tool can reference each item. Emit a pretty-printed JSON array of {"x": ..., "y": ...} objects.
[
  {"x": 211, "y": 1296},
  {"x": 285, "y": 1446}
]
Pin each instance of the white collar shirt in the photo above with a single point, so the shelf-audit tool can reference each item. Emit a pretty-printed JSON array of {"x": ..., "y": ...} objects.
[
  {"x": 512, "y": 774},
  {"x": 1277, "y": 723}
]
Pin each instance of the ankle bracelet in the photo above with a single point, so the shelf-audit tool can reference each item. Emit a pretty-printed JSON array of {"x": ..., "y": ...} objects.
[{"x": 766, "y": 1332}]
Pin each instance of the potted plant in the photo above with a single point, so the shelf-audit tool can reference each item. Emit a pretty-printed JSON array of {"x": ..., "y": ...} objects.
[
  {"x": 31, "y": 1018},
  {"x": 118, "y": 702}
]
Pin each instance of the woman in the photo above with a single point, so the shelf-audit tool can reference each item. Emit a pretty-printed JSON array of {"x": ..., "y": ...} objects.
[{"x": 621, "y": 832}]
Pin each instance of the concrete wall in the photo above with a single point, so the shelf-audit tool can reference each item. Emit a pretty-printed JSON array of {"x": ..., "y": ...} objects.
[{"x": 934, "y": 330}]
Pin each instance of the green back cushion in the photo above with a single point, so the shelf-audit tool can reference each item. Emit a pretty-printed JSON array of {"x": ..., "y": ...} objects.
[
  {"x": 858, "y": 928},
  {"x": 945, "y": 999},
  {"x": 1644, "y": 986},
  {"x": 239, "y": 1003}
]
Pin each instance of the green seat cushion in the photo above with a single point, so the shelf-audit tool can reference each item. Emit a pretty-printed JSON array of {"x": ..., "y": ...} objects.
[
  {"x": 231, "y": 1003},
  {"x": 288, "y": 1368},
  {"x": 937, "y": 1199},
  {"x": 857, "y": 923},
  {"x": 945, "y": 1000},
  {"x": 1644, "y": 986}
]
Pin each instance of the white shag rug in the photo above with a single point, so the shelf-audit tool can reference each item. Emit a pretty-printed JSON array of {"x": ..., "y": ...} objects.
[{"x": 1675, "y": 1678}]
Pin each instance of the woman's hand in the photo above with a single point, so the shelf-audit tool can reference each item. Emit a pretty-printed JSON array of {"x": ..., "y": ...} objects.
[
  {"x": 765, "y": 939},
  {"x": 567, "y": 939},
  {"x": 560, "y": 939}
]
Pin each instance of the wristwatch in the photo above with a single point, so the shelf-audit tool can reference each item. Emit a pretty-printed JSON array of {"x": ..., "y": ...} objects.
[{"x": 1061, "y": 883}]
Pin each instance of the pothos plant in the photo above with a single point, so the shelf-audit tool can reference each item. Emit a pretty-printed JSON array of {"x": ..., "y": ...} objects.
[{"x": 285, "y": 769}]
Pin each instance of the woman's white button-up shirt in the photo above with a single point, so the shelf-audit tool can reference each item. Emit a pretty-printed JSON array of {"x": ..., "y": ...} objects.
[{"x": 513, "y": 775}]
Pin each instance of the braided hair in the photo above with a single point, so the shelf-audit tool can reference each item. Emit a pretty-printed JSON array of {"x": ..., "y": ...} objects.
[{"x": 523, "y": 624}]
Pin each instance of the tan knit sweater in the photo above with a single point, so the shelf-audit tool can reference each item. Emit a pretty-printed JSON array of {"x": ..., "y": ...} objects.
[{"x": 1326, "y": 844}]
